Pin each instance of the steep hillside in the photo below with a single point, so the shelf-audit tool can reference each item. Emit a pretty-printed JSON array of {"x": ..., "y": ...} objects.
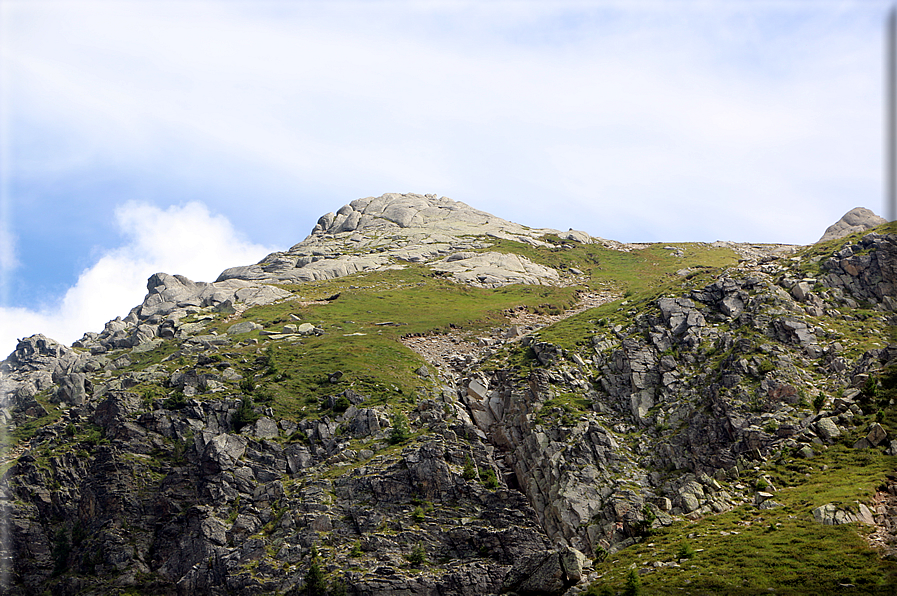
[{"x": 422, "y": 398}]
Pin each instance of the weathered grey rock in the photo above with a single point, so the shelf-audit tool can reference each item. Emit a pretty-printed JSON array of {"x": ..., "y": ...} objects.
[
  {"x": 801, "y": 291},
  {"x": 831, "y": 515},
  {"x": 243, "y": 327},
  {"x": 494, "y": 269},
  {"x": 168, "y": 293},
  {"x": 876, "y": 435},
  {"x": 858, "y": 219},
  {"x": 805, "y": 452},
  {"x": 73, "y": 389},
  {"x": 576, "y": 236},
  {"x": 548, "y": 573},
  {"x": 222, "y": 453},
  {"x": 265, "y": 428},
  {"x": 827, "y": 429},
  {"x": 363, "y": 422},
  {"x": 305, "y": 329}
]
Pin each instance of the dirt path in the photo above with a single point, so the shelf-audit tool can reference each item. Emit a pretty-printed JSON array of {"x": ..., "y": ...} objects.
[{"x": 456, "y": 351}]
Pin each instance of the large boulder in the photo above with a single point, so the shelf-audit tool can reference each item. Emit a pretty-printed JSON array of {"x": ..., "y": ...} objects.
[
  {"x": 858, "y": 219},
  {"x": 547, "y": 573},
  {"x": 833, "y": 515}
]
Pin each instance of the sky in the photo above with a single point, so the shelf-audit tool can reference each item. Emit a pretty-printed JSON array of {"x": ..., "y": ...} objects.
[{"x": 188, "y": 137}]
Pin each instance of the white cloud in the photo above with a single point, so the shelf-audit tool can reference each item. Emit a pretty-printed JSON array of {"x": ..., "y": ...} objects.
[
  {"x": 185, "y": 239},
  {"x": 601, "y": 102}
]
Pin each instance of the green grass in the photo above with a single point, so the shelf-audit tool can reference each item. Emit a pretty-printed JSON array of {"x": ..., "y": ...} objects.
[
  {"x": 29, "y": 428},
  {"x": 356, "y": 342},
  {"x": 564, "y": 409},
  {"x": 782, "y": 549},
  {"x": 636, "y": 271},
  {"x": 141, "y": 360},
  {"x": 414, "y": 298}
]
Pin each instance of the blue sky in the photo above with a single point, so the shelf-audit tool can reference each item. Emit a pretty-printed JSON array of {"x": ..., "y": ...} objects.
[{"x": 192, "y": 136}]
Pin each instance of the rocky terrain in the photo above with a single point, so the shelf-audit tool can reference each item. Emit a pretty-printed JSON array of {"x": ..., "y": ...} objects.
[{"x": 422, "y": 398}]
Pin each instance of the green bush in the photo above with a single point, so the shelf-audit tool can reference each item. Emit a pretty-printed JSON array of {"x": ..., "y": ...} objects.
[
  {"x": 469, "y": 472},
  {"x": 418, "y": 555},
  {"x": 488, "y": 478},
  {"x": 401, "y": 431},
  {"x": 633, "y": 584},
  {"x": 643, "y": 526},
  {"x": 245, "y": 415},
  {"x": 870, "y": 389},
  {"x": 356, "y": 549},
  {"x": 175, "y": 401},
  {"x": 341, "y": 404},
  {"x": 818, "y": 402},
  {"x": 61, "y": 550},
  {"x": 314, "y": 577},
  {"x": 685, "y": 551}
]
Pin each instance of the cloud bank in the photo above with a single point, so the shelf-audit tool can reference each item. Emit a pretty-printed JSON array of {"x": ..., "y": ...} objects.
[
  {"x": 636, "y": 121},
  {"x": 186, "y": 239}
]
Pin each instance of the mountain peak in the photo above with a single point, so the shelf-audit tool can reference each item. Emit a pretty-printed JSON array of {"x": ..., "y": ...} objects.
[
  {"x": 392, "y": 230},
  {"x": 391, "y": 210}
]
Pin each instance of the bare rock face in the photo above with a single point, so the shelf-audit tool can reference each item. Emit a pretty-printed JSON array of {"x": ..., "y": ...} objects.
[
  {"x": 386, "y": 232},
  {"x": 858, "y": 219}
]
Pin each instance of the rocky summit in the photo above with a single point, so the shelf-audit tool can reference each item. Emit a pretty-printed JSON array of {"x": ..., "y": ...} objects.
[{"x": 421, "y": 398}]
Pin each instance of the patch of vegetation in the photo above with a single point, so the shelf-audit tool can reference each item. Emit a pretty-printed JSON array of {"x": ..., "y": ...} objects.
[
  {"x": 737, "y": 552},
  {"x": 488, "y": 478},
  {"x": 141, "y": 360},
  {"x": 29, "y": 428},
  {"x": 469, "y": 472},
  {"x": 637, "y": 271},
  {"x": 418, "y": 555},
  {"x": 245, "y": 415},
  {"x": 565, "y": 409},
  {"x": 175, "y": 401},
  {"x": 400, "y": 431}
]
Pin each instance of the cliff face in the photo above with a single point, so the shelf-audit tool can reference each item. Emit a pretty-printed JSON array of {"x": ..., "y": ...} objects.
[{"x": 421, "y": 398}]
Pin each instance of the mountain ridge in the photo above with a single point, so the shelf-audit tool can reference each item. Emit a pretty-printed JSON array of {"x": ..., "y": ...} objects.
[{"x": 443, "y": 402}]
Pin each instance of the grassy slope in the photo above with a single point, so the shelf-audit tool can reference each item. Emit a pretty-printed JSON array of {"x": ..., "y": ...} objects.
[
  {"x": 749, "y": 551},
  {"x": 799, "y": 555}
]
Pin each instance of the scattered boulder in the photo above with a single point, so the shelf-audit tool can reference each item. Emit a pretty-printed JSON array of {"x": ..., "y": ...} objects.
[
  {"x": 876, "y": 435},
  {"x": 827, "y": 429},
  {"x": 834, "y": 515},
  {"x": 243, "y": 327}
]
